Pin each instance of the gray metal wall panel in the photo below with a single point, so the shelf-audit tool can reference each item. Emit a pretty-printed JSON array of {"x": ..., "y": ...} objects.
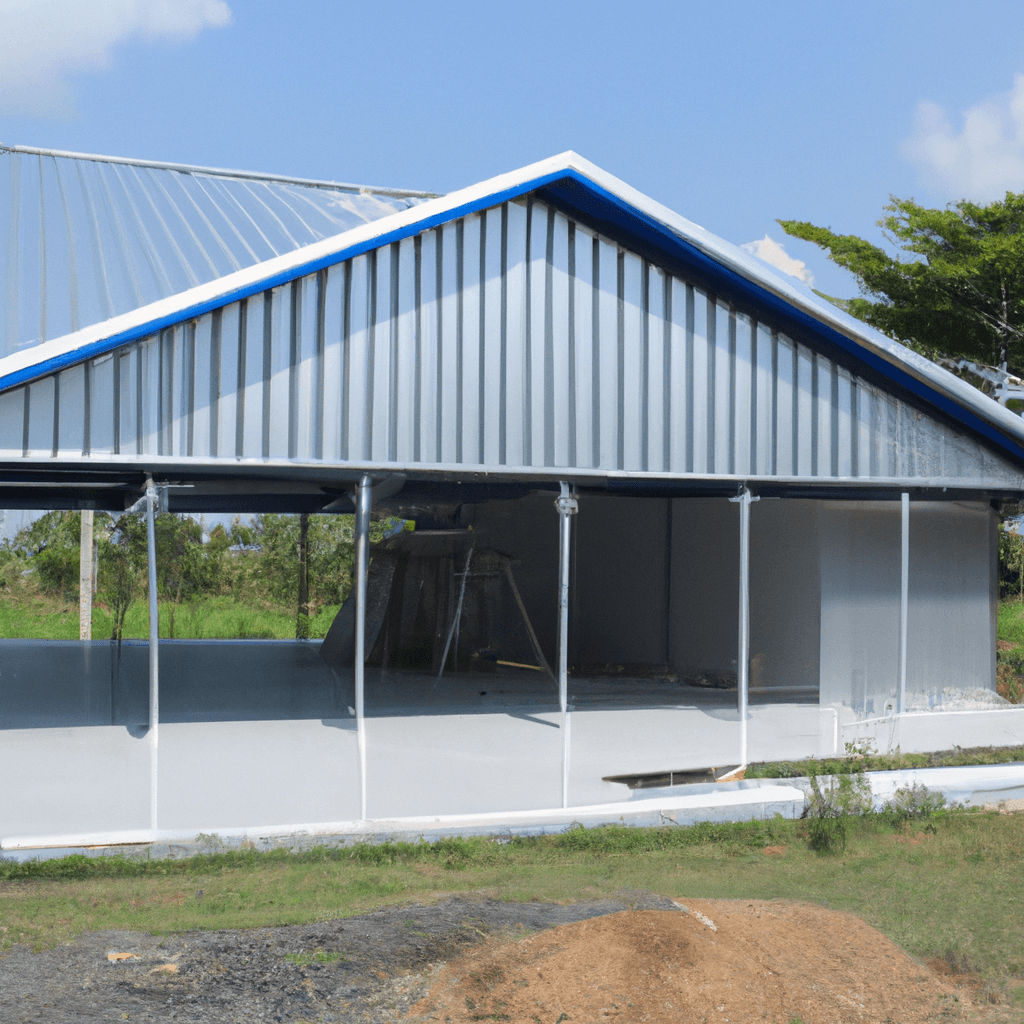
[
  {"x": 102, "y": 406},
  {"x": 513, "y": 340},
  {"x": 12, "y": 419},
  {"x": 950, "y": 631},
  {"x": 949, "y": 634},
  {"x": 621, "y": 568}
]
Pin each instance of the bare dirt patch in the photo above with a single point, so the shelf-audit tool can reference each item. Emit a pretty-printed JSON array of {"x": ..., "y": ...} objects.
[
  {"x": 638, "y": 958},
  {"x": 736, "y": 961},
  {"x": 368, "y": 969}
]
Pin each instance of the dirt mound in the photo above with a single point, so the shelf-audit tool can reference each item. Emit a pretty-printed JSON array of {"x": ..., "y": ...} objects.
[{"x": 710, "y": 960}]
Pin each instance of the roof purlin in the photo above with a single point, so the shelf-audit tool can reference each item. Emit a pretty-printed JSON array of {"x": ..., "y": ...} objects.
[{"x": 566, "y": 185}]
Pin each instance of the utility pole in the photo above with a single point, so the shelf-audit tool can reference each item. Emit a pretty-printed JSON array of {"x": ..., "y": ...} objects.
[
  {"x": 302, "y": 617},
  {"x": 85, "y": 577}
]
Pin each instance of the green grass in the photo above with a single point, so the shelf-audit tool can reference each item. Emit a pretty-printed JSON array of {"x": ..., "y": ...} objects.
[
  {"x": 212, "y": 618},
  {"x": 318, "y": 956},
  {"x": 947, "y": 887},
  {"x": 1011, "y": 621},
  {"x": 883, "y": 762}
]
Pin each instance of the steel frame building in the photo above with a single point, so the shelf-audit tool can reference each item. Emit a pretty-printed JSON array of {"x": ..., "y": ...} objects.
[{"x": 239, "y": 342}]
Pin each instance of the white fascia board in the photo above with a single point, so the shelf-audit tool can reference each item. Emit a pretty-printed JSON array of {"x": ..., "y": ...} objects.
[{"x": 18, "y": 367}]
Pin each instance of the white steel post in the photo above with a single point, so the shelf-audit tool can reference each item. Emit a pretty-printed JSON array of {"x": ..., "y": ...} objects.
[
  {"x": 154, "y": 651},
  {"x": 904, "y": 594},
  {"x": 364, "y": 504},
  {"x": 567, "y": 507},
  {"x": 743, "y": 647}
]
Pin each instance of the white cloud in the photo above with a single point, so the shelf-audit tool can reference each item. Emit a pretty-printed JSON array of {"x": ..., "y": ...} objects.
[
  {"x": 774, "y": 254},
  {"x": 982, "y": 161},
  {"x": 43, "y": 41}
]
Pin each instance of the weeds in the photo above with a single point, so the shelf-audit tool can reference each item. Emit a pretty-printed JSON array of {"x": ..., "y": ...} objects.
[
  {"x": 833, "y": 801},
  {"x": 910, "y": 802},
  {"x": 838, "y": 801},
  {"x": 894, "y": 874},
  {"x": 862, "y": 759},
  {"x": 317, "y": 956}
]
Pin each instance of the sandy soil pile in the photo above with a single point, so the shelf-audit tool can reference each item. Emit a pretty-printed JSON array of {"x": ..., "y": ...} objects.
[{"x": 720, "y": 960}]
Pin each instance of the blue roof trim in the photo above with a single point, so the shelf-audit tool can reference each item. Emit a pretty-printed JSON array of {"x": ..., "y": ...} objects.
[
  {"x": 618, "y": 213},
  {"x": 570, "y": 188},
  {"x": 97, "y": 348}
]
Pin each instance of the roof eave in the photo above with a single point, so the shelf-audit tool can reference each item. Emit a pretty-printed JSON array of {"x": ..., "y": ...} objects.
[{"x": 931, "y": 382}]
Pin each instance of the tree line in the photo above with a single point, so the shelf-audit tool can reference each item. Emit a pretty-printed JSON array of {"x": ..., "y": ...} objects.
[{"x": 258, "y": 563}]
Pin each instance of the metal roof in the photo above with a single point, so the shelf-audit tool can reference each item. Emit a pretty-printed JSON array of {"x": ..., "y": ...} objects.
[
  {"x": 516, "y": 341},
  {"x": 548, "y": 323},
  {"x": 84, "y": 238}
]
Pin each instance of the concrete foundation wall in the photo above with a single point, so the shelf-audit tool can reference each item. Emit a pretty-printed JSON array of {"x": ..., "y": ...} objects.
[{"x": 226, "y": 774}]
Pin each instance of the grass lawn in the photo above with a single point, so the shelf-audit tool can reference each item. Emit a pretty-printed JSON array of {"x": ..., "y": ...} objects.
[
  {"x": 948, "y": 887},
  {"x": 211, "y": 618},
  {"x": 1010, "y": 651}
]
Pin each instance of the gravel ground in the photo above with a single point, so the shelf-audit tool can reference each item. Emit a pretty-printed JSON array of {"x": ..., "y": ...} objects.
[{"x": 369, "y": 969}]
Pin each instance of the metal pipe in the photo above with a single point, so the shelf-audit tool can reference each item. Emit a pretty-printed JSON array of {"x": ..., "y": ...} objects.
[
  {"x": 364, "y": 504},
  {"x": 743, "y": 646},
  {"x": 154, "y": 651},
  {"x": 453, "y": 628},
  {"x": 318, "y": 473},
  {"x": 567, "y": 507},
  {"x": 904, "y": 594}
]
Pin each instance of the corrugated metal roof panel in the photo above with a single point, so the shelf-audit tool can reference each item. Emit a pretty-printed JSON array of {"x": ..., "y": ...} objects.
[
  {"x": 515, "y": 341},
  {"x": 83, "y": 238},
  {"x": 582, "y": 190}
]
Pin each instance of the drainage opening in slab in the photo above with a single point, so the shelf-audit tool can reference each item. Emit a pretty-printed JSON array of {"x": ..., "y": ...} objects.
[{"x": 683, "y": 777}]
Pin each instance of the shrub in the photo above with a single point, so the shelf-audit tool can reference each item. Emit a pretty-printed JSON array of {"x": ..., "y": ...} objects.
[
  {"x": 833, "y": 801},
  {"x": 908, "y": 802}
]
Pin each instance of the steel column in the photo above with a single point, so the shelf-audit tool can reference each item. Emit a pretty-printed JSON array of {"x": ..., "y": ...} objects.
[
  {"x": 364, "y": 504},
  {"x": 743, "y": 646},
  {"x": 904, "y": 594},
  {"x": 567, "y": 507},
  {"x": 154, "y": 651}
]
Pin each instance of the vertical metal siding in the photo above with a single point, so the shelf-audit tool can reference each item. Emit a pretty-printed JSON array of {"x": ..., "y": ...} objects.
[{"x": 515, "y": 339}]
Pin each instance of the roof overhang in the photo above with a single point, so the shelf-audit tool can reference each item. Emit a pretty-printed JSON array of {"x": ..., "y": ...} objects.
[{"x": 575, "y": 184}]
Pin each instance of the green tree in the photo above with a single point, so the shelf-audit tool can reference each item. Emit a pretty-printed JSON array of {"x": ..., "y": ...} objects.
[
  {"x": 52, "y": 547},
  {"x": 329, "y": 550},
  {"x": 183, "y": 570},
  {"x": 122, "y": 568},
  {"x": 954, "y": 288}
]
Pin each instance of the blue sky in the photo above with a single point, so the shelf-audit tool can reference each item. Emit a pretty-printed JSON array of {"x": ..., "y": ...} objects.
[{"x": 732, "y": 113}]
